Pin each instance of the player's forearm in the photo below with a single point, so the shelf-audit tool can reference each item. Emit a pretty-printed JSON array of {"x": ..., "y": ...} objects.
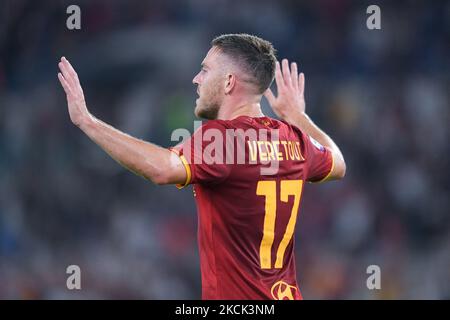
[
  {"x": 302, "y": 121},
  {"x": 143, "y": 158}
]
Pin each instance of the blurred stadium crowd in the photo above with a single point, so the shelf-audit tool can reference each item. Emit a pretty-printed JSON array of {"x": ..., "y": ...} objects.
[{"x": 383, "y": 95}]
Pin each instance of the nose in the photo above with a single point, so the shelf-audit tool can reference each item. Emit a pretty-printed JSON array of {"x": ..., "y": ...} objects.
[{"x": 196, "y": 79}]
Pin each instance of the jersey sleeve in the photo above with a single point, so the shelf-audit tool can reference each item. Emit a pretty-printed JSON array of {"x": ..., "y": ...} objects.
[
  {"x": 203, "y": 155},
  {"x": 319, "y": 160}
]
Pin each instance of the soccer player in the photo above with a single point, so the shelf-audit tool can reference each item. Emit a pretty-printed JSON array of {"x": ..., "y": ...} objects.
[{"x": 246, "y": 218}]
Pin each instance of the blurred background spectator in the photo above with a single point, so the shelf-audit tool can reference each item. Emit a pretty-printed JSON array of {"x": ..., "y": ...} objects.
[{"x": 383, "y": 95}]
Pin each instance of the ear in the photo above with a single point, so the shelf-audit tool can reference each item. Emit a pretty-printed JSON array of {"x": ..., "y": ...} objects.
[{"x": 230, "y": 83}]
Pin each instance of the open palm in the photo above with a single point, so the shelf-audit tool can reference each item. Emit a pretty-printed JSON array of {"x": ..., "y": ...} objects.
[
  {"x": 75, "y": 98},
  {"x": 290, "y": 89}
]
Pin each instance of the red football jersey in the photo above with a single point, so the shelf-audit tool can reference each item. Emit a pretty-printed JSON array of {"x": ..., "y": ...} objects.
[{"x": 248, "y": 176}]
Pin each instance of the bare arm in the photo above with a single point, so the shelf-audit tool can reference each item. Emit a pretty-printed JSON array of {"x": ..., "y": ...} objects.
[
  {"x": 290, "y": 106},
  {"x": 143, "y": 158}
]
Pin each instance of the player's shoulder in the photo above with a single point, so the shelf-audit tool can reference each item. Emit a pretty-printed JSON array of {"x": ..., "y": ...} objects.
[{"x": 295, "y": 132}]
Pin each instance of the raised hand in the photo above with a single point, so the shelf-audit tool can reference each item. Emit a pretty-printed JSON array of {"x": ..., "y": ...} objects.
[
  {"x": 75, "y": 98},
  {"x": 290, "y": 101}
]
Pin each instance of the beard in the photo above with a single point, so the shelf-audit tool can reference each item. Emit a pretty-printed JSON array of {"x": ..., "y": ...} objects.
[
  {"x": 207, "y": 111},
  {"x": 208, "y": 105}
]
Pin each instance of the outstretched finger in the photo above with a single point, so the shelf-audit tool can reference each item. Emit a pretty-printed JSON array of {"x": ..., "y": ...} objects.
[
  {"x": 294, "y": 75},
  {"x": 65, "y": 73},
  {"x": 301, "y": 83},
  {"x": 270, "y": 96},
  {"x": 63, "y": 82},
  {"x": 70, "y": 69},
  {"x": 286, "y": 73}
]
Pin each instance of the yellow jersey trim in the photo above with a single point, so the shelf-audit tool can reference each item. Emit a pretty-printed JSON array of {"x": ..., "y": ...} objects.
[{"x": 186, "y": 167}]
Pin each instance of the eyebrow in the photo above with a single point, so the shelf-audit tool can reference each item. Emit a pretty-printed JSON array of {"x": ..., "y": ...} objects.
[{"x": 203, "y": 65}]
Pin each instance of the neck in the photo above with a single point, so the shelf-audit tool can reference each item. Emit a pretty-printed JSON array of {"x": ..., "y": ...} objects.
[{"x": 229, "y": 112}]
